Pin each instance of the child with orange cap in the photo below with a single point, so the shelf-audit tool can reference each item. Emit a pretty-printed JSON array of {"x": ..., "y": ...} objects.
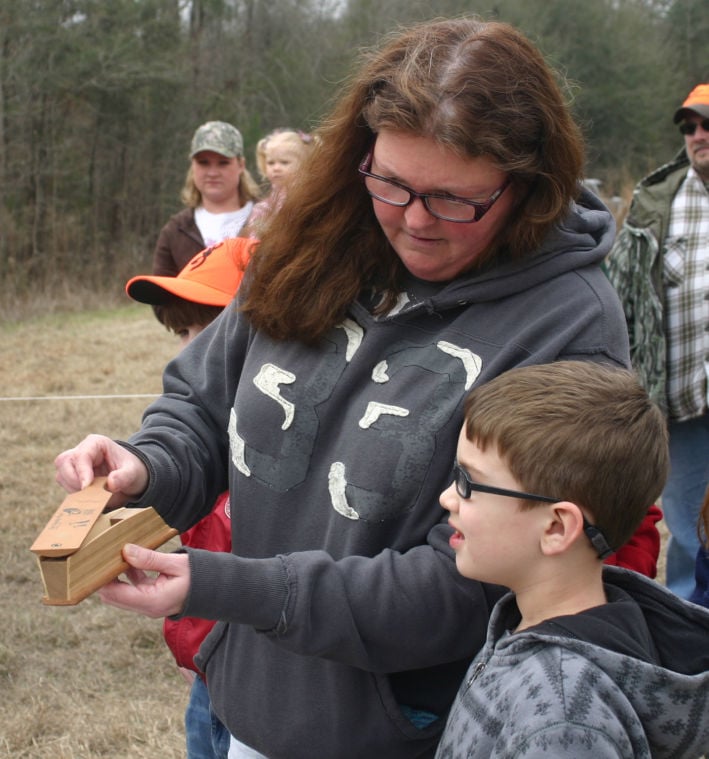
[{"x": 188, "y": 303}]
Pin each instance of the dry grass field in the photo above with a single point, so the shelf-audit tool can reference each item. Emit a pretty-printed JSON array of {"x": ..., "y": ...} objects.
[{"x": 86, "y": 681}]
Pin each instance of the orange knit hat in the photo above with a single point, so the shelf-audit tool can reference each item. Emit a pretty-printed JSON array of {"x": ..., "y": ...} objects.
[
  {"x": 211, "y": 278},
  {"x": 697, "y": 101}
]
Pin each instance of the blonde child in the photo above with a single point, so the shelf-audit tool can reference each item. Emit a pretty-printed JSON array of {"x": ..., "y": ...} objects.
[{"x": 279, "y": 157}]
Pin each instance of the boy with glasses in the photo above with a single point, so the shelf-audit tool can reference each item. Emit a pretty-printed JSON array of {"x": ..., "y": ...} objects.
[
  {"x": 659, "y": 266},
  {"x": 556, "y": 466}
]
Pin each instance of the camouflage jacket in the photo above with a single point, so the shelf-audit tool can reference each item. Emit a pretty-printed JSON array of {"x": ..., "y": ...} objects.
[{"x": 635, "y": 267}]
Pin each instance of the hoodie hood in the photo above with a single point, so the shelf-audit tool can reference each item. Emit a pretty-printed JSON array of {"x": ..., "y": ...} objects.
[{"x": 645, "y": 620}]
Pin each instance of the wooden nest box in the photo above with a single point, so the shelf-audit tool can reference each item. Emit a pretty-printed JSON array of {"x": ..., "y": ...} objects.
[{"x": 79, "y": 550}]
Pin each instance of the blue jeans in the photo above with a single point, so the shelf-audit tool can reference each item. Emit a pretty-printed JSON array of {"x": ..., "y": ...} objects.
[
  {"x": 206, "y": 737},
  {"x": 682, "y": 499}
]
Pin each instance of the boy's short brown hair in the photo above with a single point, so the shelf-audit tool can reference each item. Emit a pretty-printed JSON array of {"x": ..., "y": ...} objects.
[
  {"x": 577, "y": 431},
  {"x": 178, "y": 314}
]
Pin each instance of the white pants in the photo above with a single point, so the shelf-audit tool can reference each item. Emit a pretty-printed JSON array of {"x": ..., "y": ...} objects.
[{"x": 239, "y": 750}]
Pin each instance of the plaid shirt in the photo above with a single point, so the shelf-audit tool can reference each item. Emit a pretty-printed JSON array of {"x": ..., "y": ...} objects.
[{"x": 686, "y": 279}]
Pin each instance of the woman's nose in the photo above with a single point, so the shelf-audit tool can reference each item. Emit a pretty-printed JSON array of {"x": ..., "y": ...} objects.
[{"x": 417, "y": 215}]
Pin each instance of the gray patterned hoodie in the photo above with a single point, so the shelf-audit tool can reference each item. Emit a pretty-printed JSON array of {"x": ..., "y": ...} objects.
[{"x": 627, "y": 680}]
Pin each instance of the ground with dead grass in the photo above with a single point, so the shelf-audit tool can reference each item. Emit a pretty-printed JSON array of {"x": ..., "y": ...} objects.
[{"x": 86, "y": 681}]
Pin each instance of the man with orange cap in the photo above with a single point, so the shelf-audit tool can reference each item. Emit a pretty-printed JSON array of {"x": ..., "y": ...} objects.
[{"x": 660, "y": 268}]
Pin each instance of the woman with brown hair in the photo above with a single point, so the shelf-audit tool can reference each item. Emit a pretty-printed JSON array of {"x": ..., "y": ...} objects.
[{"x": 439, "y": 236}]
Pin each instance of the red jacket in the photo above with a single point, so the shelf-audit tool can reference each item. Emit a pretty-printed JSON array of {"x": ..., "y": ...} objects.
[
  {"x": 184, "y": 636},
  {"x": 643, "y": 549}
]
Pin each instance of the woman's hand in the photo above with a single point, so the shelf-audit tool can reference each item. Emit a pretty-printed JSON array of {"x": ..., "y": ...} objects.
[
  {"x": 154, "y": 596},
  {"x": 97, "y": 455}
]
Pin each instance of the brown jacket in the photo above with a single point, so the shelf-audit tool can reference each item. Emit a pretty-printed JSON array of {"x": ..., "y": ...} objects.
[{"x": 179, "y": 241}]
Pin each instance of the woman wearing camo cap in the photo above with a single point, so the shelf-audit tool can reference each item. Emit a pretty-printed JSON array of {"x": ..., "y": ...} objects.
[{"x": 219, "y": 194}]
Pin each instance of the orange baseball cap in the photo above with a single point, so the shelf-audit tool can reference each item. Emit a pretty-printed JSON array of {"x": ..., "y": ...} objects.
[
  {"x": 697, "y": 101},
  {"x": 212, "y": 277}
]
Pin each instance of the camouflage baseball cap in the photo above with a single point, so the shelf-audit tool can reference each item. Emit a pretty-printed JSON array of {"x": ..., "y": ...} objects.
[{"x": 219, "y": 137}]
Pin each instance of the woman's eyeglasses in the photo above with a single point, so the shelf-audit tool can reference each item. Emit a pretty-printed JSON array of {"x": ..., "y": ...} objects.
[
  {"x": 445, "y": 207},
  {"x": 465, "y": 487},
  {"x": 690, "y": 127}
]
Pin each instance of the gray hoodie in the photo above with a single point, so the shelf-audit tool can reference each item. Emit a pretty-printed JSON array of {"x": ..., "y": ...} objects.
[
  {"x": 627, "y": 680},
  {"x": 340, "y": 608}
]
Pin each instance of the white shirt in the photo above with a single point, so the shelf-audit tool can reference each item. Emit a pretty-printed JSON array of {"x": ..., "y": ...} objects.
[{"x": 215, "y": 227}]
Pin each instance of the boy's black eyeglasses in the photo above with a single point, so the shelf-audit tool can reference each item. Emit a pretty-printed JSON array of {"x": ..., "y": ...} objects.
[
  {"x": 465, "y": 487},
  {"x": 445, "y": 207},
  {"x": 690, "y": 127}
]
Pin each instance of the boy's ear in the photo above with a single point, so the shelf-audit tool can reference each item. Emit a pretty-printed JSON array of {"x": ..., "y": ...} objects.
[{"x": 563, "y": 527}]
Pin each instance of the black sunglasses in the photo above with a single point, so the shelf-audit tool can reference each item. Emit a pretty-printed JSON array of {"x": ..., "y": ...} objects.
[
  {"x": 690, "y": 127},
  {"x": 465, "y": 487}
]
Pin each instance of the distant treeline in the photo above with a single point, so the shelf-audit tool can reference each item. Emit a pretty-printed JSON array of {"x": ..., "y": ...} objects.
[{"x": 98, "y": 101}]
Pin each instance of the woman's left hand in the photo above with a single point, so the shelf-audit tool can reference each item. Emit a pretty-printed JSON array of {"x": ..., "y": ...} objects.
[{"x": 154, "y": 596}]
